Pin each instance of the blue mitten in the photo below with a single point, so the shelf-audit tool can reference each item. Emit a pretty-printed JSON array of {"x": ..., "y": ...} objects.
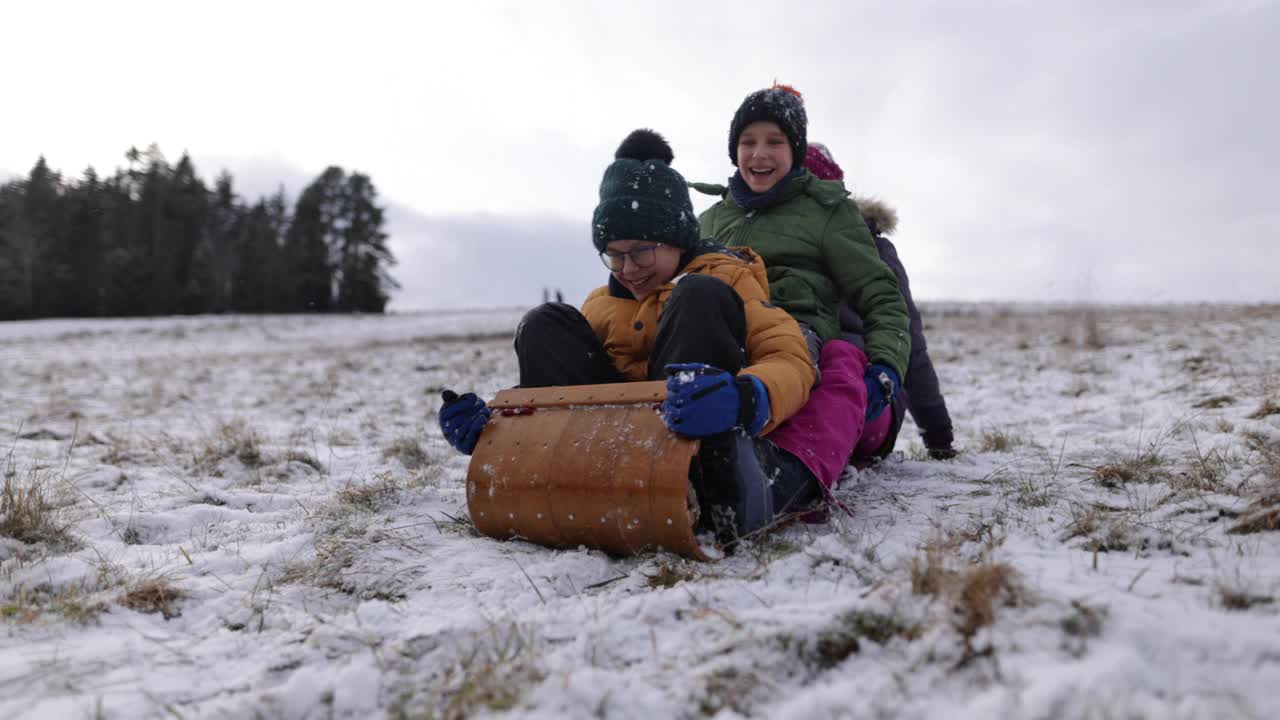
[
  {"x": 704, "y": 400},
  {"x": 462, "y": 418},
  {"x": 882, "y": 385}
]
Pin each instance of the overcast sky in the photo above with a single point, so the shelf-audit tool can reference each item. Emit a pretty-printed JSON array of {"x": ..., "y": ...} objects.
[{"x": 1035, "y": 150}]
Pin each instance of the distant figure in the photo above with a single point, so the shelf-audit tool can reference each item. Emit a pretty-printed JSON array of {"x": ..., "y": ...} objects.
[
  {"x": 921, "y": 393},
  {"x": 559, "y": 296},
  {"x": 546, "y": 295}
]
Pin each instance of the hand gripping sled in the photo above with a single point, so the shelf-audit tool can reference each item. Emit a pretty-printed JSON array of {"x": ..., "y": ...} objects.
[{"x": 589, "y": 465}]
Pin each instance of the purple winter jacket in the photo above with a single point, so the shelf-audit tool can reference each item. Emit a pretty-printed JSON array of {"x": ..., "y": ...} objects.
[{"x": 921, "y": 392}]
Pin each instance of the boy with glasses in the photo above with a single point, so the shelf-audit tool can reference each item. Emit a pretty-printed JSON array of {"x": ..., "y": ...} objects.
[{"x": 686, "y": 309}]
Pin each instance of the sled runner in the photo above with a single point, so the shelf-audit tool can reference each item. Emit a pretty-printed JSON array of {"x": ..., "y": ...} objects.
[{"x": 589, "y": 465}]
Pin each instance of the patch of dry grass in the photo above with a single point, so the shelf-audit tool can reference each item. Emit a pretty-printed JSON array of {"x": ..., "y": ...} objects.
[
  {"x": 669, "y": 573},
  {"x": 71, "y": 603},
  {"x": 408, "y": 451},
  {"x": 304, "y": 458},
  {"x": 1268, "y": 408},
  {"x": 1241, "y": 599},
  {"x": 119, "y": 451},
  {"x": 1197, "y": 364},
  {"x": 155, "y": 595},
  {"x": 972, "y": 591},
  {"x": 231, "y": 440},
  {"x": 1084, "y": 620},
  {"x": 28, "y": 515},
  {"x": 369, "y": 496},
  {"x": 1207, "y": 471},
  {"x": 1215, "y": 402},
  {"x": 729, "y": 688},
  {"x": 343, "y": 536},
  {"x": 1148, "y": 466},
  {"x": 1263, "y": 513},
  {"x": 1085, "y": 521},
  {"x": 490, "y": 676},
  {"x": 997, "y": 440},
  {"x": 1104, "y": 529},
  {"x": 844, "y": 637}
]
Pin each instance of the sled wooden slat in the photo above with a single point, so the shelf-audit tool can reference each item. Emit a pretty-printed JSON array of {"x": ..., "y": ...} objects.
[
  {"x": 652, "y": 391},
  {"x": 584, "y": 467}
]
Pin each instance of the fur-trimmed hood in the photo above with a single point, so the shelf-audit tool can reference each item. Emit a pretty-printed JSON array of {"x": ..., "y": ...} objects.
[{"x": 881, "y": 218}]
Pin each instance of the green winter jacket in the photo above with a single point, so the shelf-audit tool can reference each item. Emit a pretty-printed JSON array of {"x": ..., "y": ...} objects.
[{"x": 818, "y": 252}]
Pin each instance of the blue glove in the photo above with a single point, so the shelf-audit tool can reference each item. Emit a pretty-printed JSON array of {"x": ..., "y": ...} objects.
[
  {"x": 462, "y": 419},
  {"x": 704, "y": 400},
  {"x": 882, "y": 385}
]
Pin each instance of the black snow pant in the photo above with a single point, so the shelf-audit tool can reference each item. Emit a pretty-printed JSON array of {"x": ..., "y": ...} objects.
[
  {"x": 741, "y": 482},
  {"x": 703, "y": 322}
]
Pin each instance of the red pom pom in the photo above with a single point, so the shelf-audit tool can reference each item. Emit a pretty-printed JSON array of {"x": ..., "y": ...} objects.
[{"x": 787, "y": 88}]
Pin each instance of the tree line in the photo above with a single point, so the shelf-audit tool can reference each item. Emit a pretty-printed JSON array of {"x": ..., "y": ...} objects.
[{"x": 153, "y": 239}]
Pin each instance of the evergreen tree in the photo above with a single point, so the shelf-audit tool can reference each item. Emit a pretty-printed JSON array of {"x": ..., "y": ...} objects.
[
  {"x": 214, "y": 265},
  {"x": 314, "y": 238},
  {"x": 14, "y": 302},
  {"x": 129, "y": 264},
  {"x": 154, "y": 228},
  {"x": 363, "y": 279},
  {"x": 191, "y": 253},
  {"x": 86, "y": 236},
  {"x": 257, "y": 287},
  {"x": 275, "y": 226},
  {"x": 40, "y": 274}
]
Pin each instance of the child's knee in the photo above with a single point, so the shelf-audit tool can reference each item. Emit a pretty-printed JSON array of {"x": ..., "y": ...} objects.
[
  {"x": 704, "y": 289},
  {"x": 548, "y": 315}
]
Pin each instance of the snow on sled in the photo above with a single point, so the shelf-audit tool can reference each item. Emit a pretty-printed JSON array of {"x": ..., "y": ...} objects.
[{"x": 589, "y": 465}]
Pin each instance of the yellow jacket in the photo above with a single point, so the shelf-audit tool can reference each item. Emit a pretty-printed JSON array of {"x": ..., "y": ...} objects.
[{"x": 776, "y": 350}]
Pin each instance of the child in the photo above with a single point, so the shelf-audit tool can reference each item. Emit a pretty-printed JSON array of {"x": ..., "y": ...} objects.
[
  {"x": 819, "y": 254},
  {"x": 678, "y": 307},
  {"x": 920, "y": 394}
]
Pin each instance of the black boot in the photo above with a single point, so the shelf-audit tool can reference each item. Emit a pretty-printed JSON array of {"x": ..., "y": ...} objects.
[
  {"x": 732, "y": 487},
  {"x": 793, "y": 486}
]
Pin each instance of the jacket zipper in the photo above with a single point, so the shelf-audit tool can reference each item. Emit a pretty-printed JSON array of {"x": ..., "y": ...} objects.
[{"x": 745, "y": 229}]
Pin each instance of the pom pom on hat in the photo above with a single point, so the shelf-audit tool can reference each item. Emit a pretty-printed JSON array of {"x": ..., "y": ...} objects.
[
  {"x": 645, "y": 144},
  {"x": 787, "y": 88}
]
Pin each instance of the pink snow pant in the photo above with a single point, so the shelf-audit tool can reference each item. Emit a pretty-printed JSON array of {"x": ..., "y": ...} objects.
[{"x": 831, "y": 428}]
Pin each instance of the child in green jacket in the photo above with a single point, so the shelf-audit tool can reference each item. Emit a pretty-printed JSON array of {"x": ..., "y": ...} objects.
[{"x": 819, "y": 253}]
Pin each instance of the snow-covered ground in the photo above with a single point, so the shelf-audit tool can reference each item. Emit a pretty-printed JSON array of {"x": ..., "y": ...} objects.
[{"x": 257, "y": 517}]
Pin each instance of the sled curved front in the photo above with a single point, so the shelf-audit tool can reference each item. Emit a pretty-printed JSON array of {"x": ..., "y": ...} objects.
[{"x": 589, "y": 465}]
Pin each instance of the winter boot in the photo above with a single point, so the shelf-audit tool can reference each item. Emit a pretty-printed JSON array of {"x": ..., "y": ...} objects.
[
  {"x": 795, "y": 490},
  {"x": 733, "y": 490}
]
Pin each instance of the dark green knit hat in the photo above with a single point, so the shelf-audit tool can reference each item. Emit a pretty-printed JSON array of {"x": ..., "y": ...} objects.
[{"x": 642, "y": 198}]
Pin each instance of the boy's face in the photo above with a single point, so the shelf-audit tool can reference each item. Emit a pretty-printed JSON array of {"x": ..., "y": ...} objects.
[
  {"x": 642, "y": 266},
  {"x": 764, "y": 155}
]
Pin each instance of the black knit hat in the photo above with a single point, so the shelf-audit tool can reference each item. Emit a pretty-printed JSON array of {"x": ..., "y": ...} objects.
[
  {"x": 642, "y": 198},
  {"x": 781, "y": 104}
]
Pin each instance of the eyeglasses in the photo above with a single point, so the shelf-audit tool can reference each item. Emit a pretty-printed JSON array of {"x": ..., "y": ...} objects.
[{"x": 640, "y": 257}]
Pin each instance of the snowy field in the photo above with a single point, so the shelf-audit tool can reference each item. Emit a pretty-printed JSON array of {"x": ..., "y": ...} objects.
[{"x": 256, "y": 517}]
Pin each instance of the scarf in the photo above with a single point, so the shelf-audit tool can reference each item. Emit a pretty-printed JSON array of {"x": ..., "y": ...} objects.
[{"x": 745, "y": 197}]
